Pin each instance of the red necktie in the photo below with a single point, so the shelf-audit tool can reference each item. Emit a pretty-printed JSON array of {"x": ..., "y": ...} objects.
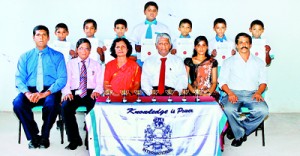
[
  {"x": 161, "y": 84},
  {"x": 83, "y": 80}
]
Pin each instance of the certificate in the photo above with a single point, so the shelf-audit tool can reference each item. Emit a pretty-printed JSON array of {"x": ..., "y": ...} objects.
[
  {"x": 95, "y": 44},
  {"x": 107, "y": 56},
  {"x": 147, "y": 48},
  {"x": 63, "y": 47},
  {"x": 258, "y": 48},
  {"x": 184, "y": 47},
  {"x": 223, "y": 52}
]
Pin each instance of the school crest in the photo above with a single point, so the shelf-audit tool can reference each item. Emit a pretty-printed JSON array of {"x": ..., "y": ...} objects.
[{"x": 158, "y": 137}]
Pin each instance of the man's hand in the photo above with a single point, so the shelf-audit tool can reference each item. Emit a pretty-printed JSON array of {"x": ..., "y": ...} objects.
[
  {"x": 214, "y": 53},
  {"x": 257, "y": 96},
  {"x": 232, "y": 98},
  {"x": 95, "y": 95},
  {"x": 35, "y": 97},
  {"x": 68, "y": 97}
]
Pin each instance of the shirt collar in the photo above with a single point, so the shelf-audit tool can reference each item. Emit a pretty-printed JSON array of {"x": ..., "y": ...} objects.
[
  {"x": 120, "y": 37},
  {"x": 44, "y": 51},
  {"x": 79, "y": 59},
  {"x": 188, "y": 36},
  {"x": 150, "y": 23},
  {"x": 219, "y": 39},
  {"x": 256, "y": 38}
]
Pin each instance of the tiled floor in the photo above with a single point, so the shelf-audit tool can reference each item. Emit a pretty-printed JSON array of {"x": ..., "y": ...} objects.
[{"x": 282, "y": 138}]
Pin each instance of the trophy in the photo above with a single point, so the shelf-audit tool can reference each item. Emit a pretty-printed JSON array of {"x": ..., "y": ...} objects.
[
  {"x": 154, "y": 93},
  {"x": 197, "y": 93},
  {"x": 108, "y": 92},
  {"x": 138, "y": 93},
  {"x": 170, "y": 92},
  {"x": 184, "y": 93},
  {"x": 124, "y": 94}
]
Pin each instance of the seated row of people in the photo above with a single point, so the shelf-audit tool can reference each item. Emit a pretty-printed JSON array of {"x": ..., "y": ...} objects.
[{"x": 42, "y": 74}]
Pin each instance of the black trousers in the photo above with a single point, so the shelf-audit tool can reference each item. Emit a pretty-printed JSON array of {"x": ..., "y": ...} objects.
[
  {"x": 69, "y": 110},
  {"x": 22, "y": 108}
]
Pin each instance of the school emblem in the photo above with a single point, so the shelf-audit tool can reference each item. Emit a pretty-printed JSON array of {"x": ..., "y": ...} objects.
[{"x": 158, "y": 138}]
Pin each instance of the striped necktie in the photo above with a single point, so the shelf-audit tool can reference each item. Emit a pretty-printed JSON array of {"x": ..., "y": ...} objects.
[
  {"x": 83, "y": 80},
  {"x": 39, "y": 74}
]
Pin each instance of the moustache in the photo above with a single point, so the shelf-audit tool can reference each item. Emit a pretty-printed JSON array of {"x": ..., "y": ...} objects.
[{"x": 245, "y": 48}]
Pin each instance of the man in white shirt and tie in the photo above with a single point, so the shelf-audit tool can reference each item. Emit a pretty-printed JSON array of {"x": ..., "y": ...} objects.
[
  {"x": 84, "y": 86},
  {"x": 164, "y": 71}
]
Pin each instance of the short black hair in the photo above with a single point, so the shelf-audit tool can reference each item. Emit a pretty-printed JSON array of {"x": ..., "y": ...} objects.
[
  {"x": 185, "y": 20},
  {"x": 113, "y": 45},
  {"x": 83, "y": 40},
  {"x": 120, "y": 21},
  {"x": 244, "y": 35},
  {"x": 40, "y": 27},
  {"x": 220, "y": 20},
  {"x": 61, "y": 25},
  {"x": 257, "y": 22},
  {"x": 90, "y": 21},
  {"x": 150, "y": 3}
]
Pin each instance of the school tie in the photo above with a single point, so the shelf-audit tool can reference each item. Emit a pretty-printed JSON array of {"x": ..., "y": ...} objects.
[
  {"x": 149, "y": 29},
  {"x": 39, "y": 75},
  {"x": 218, "y": 39},
  {"x": 161, "y": 84},
  {"x": 83, "y": 80}
]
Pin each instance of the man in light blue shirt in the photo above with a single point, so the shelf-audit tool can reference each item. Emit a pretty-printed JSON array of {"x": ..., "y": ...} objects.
[
  {"x": 243, "y": 78},
  {"x": 39, "y": 86}
]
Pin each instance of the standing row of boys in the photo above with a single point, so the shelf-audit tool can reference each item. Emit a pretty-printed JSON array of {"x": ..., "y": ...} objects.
[{"x": 42, "y": 74}]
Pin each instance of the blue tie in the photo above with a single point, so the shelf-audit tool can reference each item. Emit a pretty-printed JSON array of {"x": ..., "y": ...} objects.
[
  {"x": 39, "y": 75},
  {"x": 218, "y": 39},
  {"x": 149, "y": 29}
]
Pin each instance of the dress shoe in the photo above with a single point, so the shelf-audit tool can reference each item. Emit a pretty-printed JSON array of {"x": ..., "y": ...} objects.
[
  {"x": 237, "y": 143},
  {"x": 34, "y": 142},
  {"x": 44, "y": 143},
  {"x": 230, "y": 134},
  {"x": 73, "y": 145}
]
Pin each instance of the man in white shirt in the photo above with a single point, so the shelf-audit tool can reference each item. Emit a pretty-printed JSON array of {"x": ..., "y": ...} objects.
[
  {"x": 175, "y": 76},
  {"x": 243, "y": 78},
  {"x": 84, "y": 86}
]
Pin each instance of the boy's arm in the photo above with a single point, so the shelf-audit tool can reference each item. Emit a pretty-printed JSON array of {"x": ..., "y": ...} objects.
[{"x": 268, "y": 57}]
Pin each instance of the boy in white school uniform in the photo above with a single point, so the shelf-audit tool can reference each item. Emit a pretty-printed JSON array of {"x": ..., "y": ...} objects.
[{"x": 148, "y": 29}]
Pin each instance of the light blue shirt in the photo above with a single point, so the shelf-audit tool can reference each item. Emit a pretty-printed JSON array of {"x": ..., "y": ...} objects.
[
  {"x": 241, "y": 75},
  {"x": 54, "y": 70}
]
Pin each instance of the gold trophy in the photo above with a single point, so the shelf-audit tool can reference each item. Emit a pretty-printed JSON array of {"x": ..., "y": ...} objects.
[
  {"x": 154, "y": 93},
  {"x": 184, "y": 93},
  {"x": 138, "y": 93},
  {"x": 124, "y": 93},
  {"x": 108, "y": 92},
  {"x": 197, "y": 93},
  {"x": 169, "y": 92}
]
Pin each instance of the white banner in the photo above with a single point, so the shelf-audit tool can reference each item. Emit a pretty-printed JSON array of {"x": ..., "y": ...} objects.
[{"x": 161, "y": 129}]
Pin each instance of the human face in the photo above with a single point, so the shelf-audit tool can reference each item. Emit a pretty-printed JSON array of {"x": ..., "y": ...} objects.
[
  {"x": 256, "y": 30},
  {"x": 84, "y": 50},
  {"x": 201, "y": 48},
  {"x": 243, "y": 45},
  {"x": 61, "y": 34},
  {"x": 121, "y": 49},
  {"x": 41, "y": 39},
  {"x": 220, "y": 29},
  {"x": 185, "y": 29},
  {"x": 151, "y": 13},
  {"x": 120, "y": 30},
  {"x": 163, "y": 46},
  {"x": 89, "y": 30}
]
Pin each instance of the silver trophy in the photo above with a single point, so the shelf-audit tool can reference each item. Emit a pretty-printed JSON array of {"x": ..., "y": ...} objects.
[
  {"x": 138, "y": 93},
  {"x": 184, "y": 93},
  {"x": 154, "y": 93},
  {"x": 197, "y": 93},
  {"x": 108, "y": 92},
  {"x": 124, "y": 93},
  {"x": 169, "y": 92}
]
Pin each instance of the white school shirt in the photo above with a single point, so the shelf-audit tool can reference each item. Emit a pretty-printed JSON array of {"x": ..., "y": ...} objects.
[
  {"x": 139, "y": 33},
  {"x": 175, "y": 76},
  {"x": 241, "y": 75},
  {"x": 94, "y": 75}
]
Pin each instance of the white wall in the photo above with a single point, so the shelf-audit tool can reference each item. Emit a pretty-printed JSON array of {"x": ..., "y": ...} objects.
[{"x": 281, "y": 19}]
